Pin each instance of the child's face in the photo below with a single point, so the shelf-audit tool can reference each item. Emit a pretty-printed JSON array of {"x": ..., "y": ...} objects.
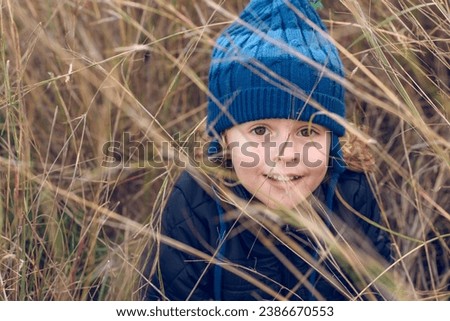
[{"x": 280, "y": 161}]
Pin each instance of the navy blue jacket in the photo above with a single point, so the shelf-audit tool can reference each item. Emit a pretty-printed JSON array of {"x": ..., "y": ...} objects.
[{"x": 191, "y": 217}]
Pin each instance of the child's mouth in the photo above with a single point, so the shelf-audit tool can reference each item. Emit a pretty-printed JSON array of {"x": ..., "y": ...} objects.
[{"x": 283, "y": 178}]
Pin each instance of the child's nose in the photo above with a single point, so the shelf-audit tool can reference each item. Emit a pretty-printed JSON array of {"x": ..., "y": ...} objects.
[{"x": 286, "y": 152}]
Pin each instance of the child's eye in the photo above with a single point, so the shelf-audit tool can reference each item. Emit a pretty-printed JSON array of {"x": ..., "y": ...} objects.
[
  {"x": 260, "y": 130},
  {"x": 307, "y": 132}
]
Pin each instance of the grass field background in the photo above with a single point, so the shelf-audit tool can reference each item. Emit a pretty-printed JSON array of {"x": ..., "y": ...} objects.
[{"x": 77, "y": 76}]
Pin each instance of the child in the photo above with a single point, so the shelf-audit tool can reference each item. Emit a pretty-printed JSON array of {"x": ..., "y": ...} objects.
[{"x": 276, "y": 107}]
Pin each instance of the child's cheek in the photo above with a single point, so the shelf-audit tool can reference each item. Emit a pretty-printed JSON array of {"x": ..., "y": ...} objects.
[
  {"x": 247, "y": 155},
  {"x": 315, "y": 157}
]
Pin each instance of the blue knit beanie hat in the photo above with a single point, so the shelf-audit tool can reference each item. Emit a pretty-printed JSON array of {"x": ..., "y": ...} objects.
[{"x": 271, "y": 63}]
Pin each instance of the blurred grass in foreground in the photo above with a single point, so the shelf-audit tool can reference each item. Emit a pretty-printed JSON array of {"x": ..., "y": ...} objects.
[{"x": 75, "y": 75}]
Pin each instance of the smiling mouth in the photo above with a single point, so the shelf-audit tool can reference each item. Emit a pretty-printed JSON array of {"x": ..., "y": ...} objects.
[{"x": 283, "y": 178}]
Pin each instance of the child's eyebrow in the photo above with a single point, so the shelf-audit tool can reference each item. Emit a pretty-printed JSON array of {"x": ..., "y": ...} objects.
[{"x": 260, "y": 123}]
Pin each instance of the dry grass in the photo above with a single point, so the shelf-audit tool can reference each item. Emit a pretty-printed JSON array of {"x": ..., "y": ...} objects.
[{"x": 76, "y": 74}]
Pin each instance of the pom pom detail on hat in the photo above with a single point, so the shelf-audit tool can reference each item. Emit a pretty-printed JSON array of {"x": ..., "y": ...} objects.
[{"x": 271, "y": 63}]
